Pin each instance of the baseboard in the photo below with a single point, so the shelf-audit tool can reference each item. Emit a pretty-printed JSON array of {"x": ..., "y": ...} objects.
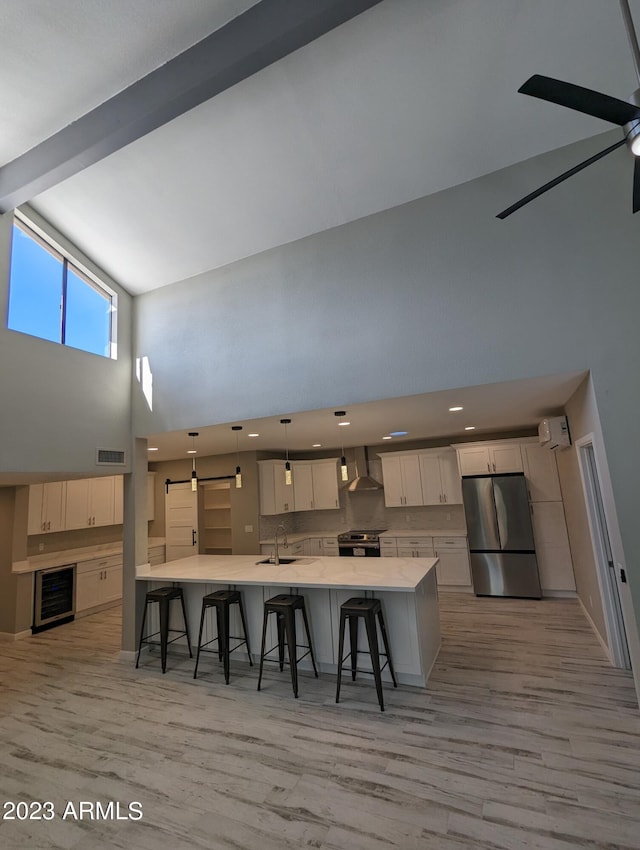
[
  {"x": 559, "y": 594},
  {"x": 595, "y": 631},
  {"x": 128, "y": 655},
  {"x": 7, "y": 637}
]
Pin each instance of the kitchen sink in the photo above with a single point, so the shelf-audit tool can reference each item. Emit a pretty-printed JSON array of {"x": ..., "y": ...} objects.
[{"x": 282, "y": 561}]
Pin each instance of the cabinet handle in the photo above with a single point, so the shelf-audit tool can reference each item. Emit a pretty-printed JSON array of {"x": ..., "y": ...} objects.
[
  {"x": 494, "y": 466},
  {"x": 488, "y": 467},
  {"x": 89, "y": 521}
]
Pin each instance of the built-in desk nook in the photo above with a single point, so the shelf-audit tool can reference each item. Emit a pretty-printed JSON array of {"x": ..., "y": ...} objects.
[{"x": 405, "y": 586}]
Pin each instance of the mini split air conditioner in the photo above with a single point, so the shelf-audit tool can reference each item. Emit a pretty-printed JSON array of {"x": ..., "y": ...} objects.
[{"x": 554, "y": 433}]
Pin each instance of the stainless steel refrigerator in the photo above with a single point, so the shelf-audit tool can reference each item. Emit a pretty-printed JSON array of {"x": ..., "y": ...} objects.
[{"x": 503, "y": 558}]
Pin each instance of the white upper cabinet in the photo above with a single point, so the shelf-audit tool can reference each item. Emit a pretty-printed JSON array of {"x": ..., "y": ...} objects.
[
  {"x": 91, "y": 502},
  {"x": 440, "y": 479},
  {"x": 428, "y": 477},
  {"x": 276, "y": 497},
  {"x": 46, "y": 507},
  {"x": 489, "y": 458},
  {"x": 314, "y": 487},
  {"x": 324, "y": 474},
  {"x": 402, "y": 481},
  {"x": 541, "y": 471}
]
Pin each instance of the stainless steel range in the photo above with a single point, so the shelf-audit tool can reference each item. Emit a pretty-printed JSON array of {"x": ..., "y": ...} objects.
[{"x": 363, "y": 543}]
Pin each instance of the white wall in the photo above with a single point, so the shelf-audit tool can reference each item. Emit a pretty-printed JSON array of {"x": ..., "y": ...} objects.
[
  {"x": 435, "y": 294},
  {"x": 59, "y": 404}
]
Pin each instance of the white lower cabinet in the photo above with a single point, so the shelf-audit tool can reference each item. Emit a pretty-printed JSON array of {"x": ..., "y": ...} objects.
[
  {"x": 98, "y": 582},
  {"x": 453, "y": 567},
  {"x": 415, "y": 547},
  {"x": 313, "y": 546},
  {"x": 552, "y": 546}
]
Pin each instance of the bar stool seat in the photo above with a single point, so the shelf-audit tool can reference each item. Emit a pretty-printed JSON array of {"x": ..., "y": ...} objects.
[
  {"x": 284, "y": 606},
  {"x": 163, "y": 596},
  {"x": 222, "y": 600},
  {"x": 369, "y": 609}
]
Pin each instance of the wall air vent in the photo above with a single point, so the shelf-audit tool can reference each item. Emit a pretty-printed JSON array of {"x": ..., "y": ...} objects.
[{"x": 110, "y": 457}]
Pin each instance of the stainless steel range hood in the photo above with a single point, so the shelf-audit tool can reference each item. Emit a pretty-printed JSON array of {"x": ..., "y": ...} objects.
[{"x": 363, "y": 481}]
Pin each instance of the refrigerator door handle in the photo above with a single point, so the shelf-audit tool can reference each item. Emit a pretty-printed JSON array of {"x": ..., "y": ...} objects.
[{"x": 501, "y": 516}]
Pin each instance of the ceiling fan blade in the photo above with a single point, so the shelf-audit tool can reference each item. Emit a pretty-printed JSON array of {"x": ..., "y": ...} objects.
[
  {"x": 565, "y": 176},
  {"x": 636, "y": 185},
  {"x": 582, "y": 100}
]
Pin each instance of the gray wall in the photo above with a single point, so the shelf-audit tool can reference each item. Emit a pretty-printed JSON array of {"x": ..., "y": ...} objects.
[
  {"x": 59, "y": 404},
  {"x": 432, "y": 295}
]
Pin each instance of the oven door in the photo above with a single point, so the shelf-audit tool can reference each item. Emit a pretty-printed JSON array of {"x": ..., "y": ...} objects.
[{"x": 355, "y": 551}]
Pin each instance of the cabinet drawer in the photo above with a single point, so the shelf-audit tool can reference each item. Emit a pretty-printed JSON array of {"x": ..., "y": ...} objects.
[
  {"x": 450, "y": 542},
  {"x": 390, "y": 542},
  {"x": 330, "y": 543},
  {"x": 413, "y": 542},
  {"x": 99, "y": 564}
]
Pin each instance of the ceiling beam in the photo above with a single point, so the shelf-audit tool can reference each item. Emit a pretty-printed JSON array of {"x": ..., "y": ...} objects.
[{"x": 265, "y": 33}]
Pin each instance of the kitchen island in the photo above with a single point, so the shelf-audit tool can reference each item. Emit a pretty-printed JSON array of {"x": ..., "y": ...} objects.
[{"x": 406, "y": 587}]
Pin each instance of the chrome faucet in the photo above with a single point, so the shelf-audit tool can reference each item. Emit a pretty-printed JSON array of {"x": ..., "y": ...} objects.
[{"x": 276, "y": 553}]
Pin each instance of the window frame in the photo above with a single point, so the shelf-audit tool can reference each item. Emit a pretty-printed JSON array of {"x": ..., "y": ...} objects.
[{"x": 69, "y": 262}]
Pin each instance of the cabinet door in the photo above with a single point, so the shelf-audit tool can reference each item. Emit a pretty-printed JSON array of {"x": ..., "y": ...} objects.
[
  {"x": 506, "y": 458},
  {"x": 303, "y": 487},
  {"x": 325, "y": 486},
  {"x": 111, "y": 584},
  {"x": 267, "y": 489},
  {"x": 77, "y": 508},
  {"x": 431, "y": 481},
  {"x": 453, "y": 567},
  {"x": 87, "y": 590},
  {"x": 393, "y": 491},
  {"x": 102, "y": 500},
  {"x": 541, "y": 471},
  {"x": 450, "y": 479},
  {"x": 35, "y": 520},
  {"x": 53, "y": 505},
  {"x": 474, "y": 461},
  {"x": 411, "y": 481}
]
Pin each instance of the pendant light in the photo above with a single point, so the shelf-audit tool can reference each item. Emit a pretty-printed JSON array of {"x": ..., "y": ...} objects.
[
  {"x": 344, "y": 472},
  {"x": 287, "y": 467},
  {"x": 194, "y": 477},
  {"x": 237, "y": 428}
]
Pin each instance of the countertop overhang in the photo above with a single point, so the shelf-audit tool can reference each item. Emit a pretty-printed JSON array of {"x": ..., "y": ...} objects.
[{"x": 402, "y": 575}]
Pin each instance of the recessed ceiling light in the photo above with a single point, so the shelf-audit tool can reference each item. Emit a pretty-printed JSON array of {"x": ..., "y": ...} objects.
[
  {"x": 152, "y": 449},
  {"x": 253, "y": 435},
  {"x": 317, "y": 445},
  {"x": 454, "y": 409},
  {"x": 343, "y": 423},
  {"x": 469, "y": 427},
  {"x": 386, "y": 438},
  {"x": 399, "y": 433}
]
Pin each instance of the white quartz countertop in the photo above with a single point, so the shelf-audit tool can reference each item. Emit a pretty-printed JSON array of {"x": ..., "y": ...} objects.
[
  {"x": 74, "y": 556},
  {"x": 393, "y": 574}
]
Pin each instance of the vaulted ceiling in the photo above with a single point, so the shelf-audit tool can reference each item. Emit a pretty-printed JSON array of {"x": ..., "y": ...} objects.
[{"x": 408, "y": 98}]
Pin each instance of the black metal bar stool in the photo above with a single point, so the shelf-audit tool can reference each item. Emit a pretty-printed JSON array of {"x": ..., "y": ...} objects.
[
  {"x": 222, "y": 600},
  {"x": 368, "y": 609},
  {"x": 163, "y": 596},
  {"x": 284, "y": 606}
]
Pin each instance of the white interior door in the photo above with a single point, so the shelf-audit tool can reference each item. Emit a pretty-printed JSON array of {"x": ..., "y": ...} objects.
[
  {"x": 601, "y": 542},
  {"x": 181, "y": 521}
]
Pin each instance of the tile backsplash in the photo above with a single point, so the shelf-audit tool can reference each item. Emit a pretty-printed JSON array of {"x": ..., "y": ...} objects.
[{"x": 365, "y": 510}]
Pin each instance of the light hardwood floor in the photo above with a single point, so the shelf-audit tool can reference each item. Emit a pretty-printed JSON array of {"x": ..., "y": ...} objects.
[{"x": 525, "y": 738}]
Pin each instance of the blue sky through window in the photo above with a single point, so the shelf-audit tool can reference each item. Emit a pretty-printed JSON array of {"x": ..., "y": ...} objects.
[{"x": 36, "y": 299}]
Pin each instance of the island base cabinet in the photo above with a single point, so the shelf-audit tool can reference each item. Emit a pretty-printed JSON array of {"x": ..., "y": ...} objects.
[{"x": 411, "y": 619}]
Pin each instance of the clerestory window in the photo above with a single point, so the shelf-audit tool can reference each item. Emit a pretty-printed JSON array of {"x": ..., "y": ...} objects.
[{"x": 51, "y": 297}]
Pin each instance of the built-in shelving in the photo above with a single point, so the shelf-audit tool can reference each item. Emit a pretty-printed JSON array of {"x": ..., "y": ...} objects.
[{"x": 216, "y": 519}]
